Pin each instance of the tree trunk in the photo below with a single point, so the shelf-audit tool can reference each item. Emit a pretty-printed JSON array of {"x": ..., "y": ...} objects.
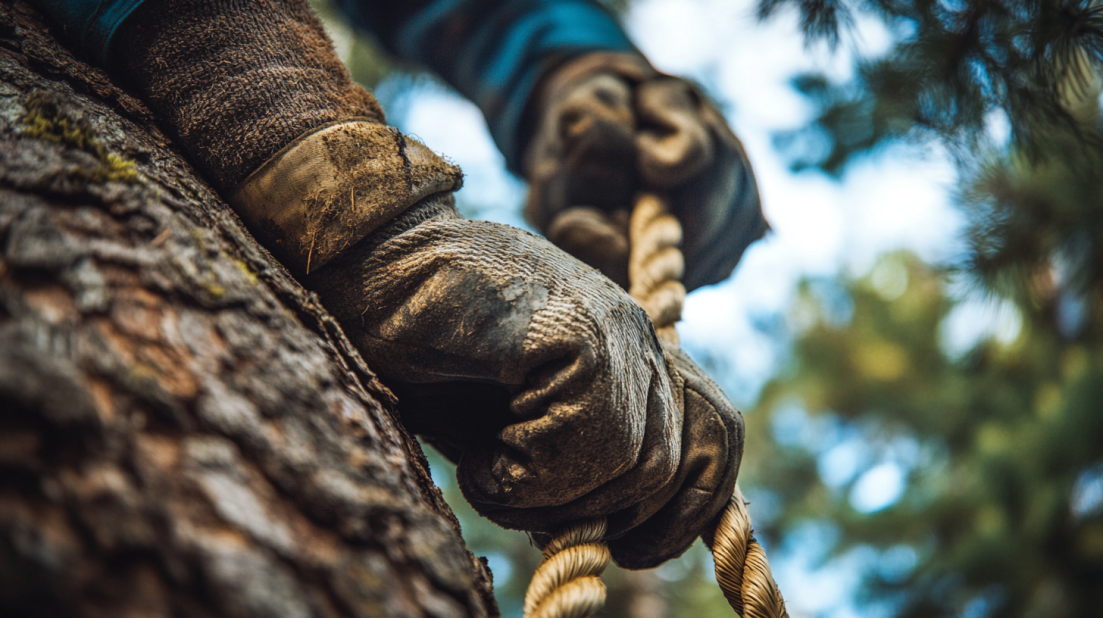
[{"x": 183, "y": 429}]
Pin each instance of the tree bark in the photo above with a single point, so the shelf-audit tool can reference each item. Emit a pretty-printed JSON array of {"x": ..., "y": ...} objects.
[{"x": 184, "y": 430}]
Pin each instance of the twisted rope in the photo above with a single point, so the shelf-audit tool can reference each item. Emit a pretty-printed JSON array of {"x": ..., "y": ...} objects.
[
  {"x": 567, "y": 584},
  {"x": 656, "y": 265},
  {"x": 741, "y": 567}
]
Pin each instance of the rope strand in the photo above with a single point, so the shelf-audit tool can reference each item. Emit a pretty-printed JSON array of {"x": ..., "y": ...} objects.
[
  {"x": 656, "y": 265},
  {"x": 567, "y": 583},
  {"x": 741, "y": 568}
]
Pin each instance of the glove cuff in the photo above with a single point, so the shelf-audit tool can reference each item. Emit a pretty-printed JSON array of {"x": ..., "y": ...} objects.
[{"x": 333, "y": 186}]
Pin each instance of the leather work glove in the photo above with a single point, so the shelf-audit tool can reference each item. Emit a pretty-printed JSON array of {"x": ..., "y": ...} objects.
[
  {"x": 540, "y": 377},
  {"x": 607, "y": 126}
]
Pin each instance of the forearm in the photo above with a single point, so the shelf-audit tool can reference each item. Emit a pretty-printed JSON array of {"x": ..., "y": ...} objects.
[{"x": 492, "y": 51}]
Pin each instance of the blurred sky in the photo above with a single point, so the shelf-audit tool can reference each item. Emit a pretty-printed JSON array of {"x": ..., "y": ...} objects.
[{"x": 897, "y": 198}]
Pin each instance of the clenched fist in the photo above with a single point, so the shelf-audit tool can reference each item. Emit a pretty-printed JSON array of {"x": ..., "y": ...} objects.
[{"x": 608, "y": 126}]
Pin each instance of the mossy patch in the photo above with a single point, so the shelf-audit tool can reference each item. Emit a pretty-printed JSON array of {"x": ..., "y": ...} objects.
[
  {"x": 49, "y": 117},
  {"x": 250, "y": 276},
  {"x": 213, "y": 288}
]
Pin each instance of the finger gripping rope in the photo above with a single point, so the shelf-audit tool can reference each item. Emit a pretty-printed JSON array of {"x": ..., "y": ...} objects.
[{"x": 567, "y": 583}]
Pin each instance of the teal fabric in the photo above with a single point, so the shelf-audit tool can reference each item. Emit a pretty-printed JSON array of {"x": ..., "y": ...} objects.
[
  {"x": 492, "y": 51},
  {"x": 90, "y": 25}
]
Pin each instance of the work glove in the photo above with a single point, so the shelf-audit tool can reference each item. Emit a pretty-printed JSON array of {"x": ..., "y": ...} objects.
[
  {"x": 608, "y": 126},
  {"x": 540, "y": 377}
]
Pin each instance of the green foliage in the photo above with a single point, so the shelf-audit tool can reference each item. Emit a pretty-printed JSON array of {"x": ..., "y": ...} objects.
[
  {"x": 957, "y": 69},
  {"x": 1024, "y": 219},
  {"x": 953, "y": 64},
  {"x": 47, "y": 117},
  {"x": 1002, "y": 509},
  {"x": 992, "y": 445}
]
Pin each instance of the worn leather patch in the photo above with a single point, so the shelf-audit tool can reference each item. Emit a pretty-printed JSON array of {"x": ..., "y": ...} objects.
[{"x": 334, "y": 186}]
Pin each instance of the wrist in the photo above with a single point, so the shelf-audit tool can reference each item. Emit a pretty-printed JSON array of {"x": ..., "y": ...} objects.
[{"x": 335, "y": 185}]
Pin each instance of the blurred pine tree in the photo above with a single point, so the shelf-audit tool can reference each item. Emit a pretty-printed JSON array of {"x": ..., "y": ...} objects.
[
  {"x": 1000, "y": 512},
  {"x": 958, "y": 73},
  {"x": 1001, "y": 508}
]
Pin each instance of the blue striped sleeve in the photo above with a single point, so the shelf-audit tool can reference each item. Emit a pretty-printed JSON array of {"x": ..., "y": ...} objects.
[{"x": 492, "y": 51}]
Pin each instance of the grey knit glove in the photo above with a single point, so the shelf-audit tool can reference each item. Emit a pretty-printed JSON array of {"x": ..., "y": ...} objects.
[{"x": 609, "y": 126}]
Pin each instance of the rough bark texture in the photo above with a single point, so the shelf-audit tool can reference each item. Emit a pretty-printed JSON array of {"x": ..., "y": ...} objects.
[{"x": 183, "y": 429}]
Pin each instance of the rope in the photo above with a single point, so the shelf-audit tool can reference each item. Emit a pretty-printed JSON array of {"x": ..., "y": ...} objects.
[
  {"x": 567, "y": 583},
  {"x": 741, "y": 567},
  {"x": 656, "y": 265}
]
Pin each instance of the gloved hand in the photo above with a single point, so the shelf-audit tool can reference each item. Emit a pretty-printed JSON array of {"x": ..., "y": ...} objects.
[
  {"x": 608, "y": 126},
  {"x": 712, "y": 448},
  {"x": 542, "y": 378}
]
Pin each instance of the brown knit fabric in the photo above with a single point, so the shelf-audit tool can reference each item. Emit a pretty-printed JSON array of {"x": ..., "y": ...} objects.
[{"x": 237, "y": 80}]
